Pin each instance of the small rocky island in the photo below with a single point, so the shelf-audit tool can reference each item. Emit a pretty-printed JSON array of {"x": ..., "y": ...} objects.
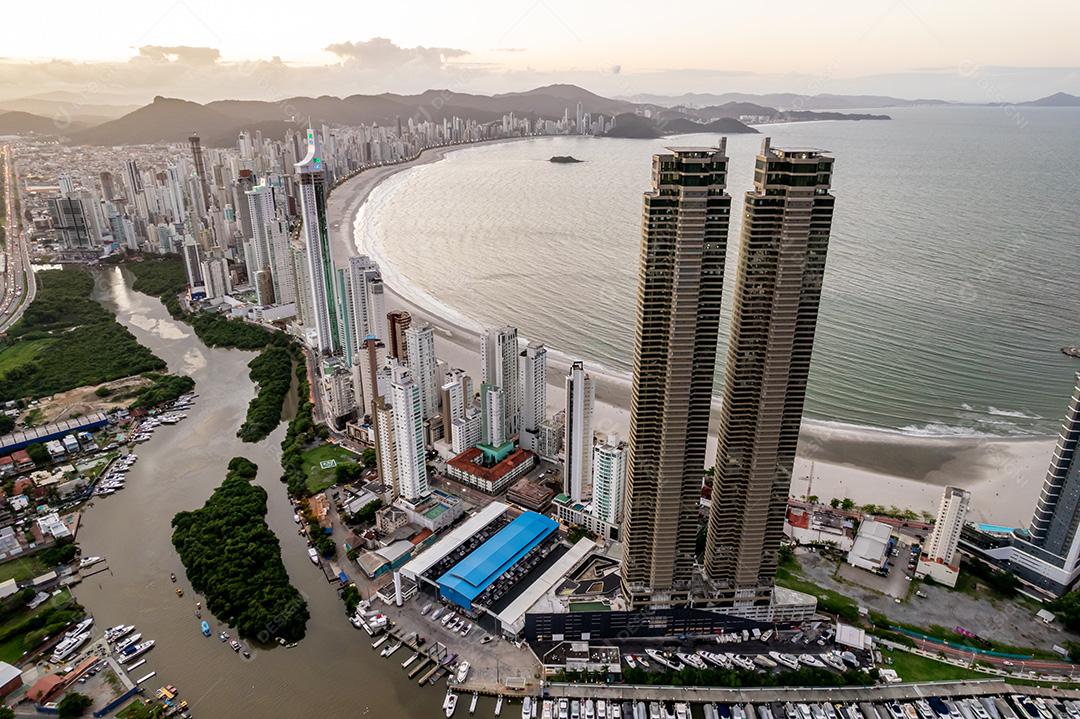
[{"x": 564, "y": 159}]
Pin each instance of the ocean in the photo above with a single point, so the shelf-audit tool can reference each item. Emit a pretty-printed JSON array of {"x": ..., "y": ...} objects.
[{"x": 952, "y": 274}]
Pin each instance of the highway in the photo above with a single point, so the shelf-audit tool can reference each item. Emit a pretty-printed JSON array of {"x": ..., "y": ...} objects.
[{"x": 17, "y": 286}]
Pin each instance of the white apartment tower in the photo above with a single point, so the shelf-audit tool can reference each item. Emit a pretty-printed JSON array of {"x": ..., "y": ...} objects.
[
  {"x": 271, "y": 243},
  {"x": 420, "y": 341},
  {"x": 939, "y": 558},
  {"x": 533, "y": 382},
  {"x": 499, "y": 362},
  {"x": 577, "y": 445},
  {"x": 493, "y": 413},
  {"x": 368, "y": 312},
  {"x": 609, "y": 481},
  {"x": 408, "y": 420}
]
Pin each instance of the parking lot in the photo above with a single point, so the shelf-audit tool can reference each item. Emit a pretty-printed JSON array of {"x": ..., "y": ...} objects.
[{"x": 896, "y": 584}]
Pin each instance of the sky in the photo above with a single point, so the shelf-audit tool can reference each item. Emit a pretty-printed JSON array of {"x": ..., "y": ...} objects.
[{"x": 129, "y": 51}]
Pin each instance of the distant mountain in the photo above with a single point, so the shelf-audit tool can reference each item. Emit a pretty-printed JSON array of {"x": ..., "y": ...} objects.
[
  {"x": 219, "y": 122},
  {"x": 69, "y": 105},
  {"x": 21, "y": 123},
  {"x": 1058, "y": 99},
  {"x": 639, "y": 126},
  {"x": 783, "y": 101}
]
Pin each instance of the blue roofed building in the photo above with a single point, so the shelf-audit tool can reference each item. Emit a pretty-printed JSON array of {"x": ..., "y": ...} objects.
[{"x": 467, "y": 579}]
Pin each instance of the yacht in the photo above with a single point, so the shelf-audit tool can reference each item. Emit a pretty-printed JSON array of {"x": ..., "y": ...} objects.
[
  {"x": 89, "y": 561},
  {"x": 313, "y": 555},
  {"x": 526, "y": 708},
  {"x": 601, "y": 709},
  {"x": 590, "y": 710},
  {"x": 788, "y": 660},
  {"x": 81, "y": 627},
  {"x": 462, "y": 673},
  {"x": 137, "y": 650},
  {"x": 682, "y": 710},
  {"x": 450, "y": 703},
  {"x": 811, "y": 661},
  {"x": 564, "y": 709},
  {"x": 692, "y": 660},
  {"x": 68, "y": 647},
  {"x": 472, "y": 704},
  {"x": 654, "y": 710},
  {"x": 629, "y": 659}
]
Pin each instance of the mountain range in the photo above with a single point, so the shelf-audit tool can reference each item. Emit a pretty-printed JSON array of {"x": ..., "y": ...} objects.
[{"x": 219, "y": 122}]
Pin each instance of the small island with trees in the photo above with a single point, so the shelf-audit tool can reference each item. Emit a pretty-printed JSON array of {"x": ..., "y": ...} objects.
[
  {"x": 234, "y": 559},
  {"x": 564, "y": 160}
]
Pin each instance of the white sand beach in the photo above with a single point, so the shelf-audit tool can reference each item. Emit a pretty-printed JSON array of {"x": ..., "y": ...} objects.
[{"x": 868, "y": 465}]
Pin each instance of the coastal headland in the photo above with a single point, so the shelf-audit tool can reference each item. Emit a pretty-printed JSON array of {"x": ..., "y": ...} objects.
[{"x": 871, "y": 466}]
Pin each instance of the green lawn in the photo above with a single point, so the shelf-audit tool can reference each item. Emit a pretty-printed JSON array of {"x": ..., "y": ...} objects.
[
  {"x": 914, "y": 668},
  {"x": 22, "y": 569},
  {"x": 13, "y": 649},
  {"x": 21, "y": 353},
  {"x": 788, "y": 575},
  {"x": 319, "y": 477}
]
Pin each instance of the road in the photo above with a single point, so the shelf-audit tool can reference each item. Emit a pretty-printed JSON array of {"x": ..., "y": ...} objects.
[{"x": 17, "y": 285}]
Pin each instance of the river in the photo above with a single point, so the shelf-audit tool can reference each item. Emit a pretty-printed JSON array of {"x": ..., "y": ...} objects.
[{"x": 333, "y": 672}]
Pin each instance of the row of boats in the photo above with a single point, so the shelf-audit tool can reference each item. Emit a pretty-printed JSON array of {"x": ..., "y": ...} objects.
[
  {"x": 73, "y": 640},
  {"x": 112, "y": 481},
  {"x": 1015, "y": 706},
  {"x": 127, "y": 643},
  {"x": 704, "y": 659},
  {"x": 175, "y": 414}
]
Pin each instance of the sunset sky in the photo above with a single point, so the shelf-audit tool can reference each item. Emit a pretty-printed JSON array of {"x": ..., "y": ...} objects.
[{"x": 961, "y": 49}]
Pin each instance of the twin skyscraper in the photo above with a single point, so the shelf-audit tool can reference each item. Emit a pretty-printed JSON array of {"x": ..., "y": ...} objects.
[{"x": 787, "y": 218}]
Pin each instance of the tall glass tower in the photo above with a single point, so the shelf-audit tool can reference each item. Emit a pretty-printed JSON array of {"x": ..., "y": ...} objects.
[
  {"x": 684, "y": 232},
  {"x": 787, "y": 219},
  {"x": 320, "y": 263}
]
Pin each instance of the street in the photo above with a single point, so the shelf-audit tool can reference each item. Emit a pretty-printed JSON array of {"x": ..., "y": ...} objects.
[{"x": 17, "y": 286}]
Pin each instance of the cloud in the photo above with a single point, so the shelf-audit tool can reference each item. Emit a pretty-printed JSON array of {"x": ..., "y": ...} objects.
[
  {"x": 181, "y": 54},
  {"x": 382, "y": 53}
]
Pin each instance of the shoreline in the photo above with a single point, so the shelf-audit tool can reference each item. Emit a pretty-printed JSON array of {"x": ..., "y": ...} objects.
[{"x": 870, "y": 465}]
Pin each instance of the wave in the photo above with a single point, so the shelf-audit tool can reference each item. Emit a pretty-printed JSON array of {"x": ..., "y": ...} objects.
[{"x": 1011, "y": 413}]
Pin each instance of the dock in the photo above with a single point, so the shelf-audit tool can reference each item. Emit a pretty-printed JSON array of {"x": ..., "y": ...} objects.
[{"x": 422, "y": 663}]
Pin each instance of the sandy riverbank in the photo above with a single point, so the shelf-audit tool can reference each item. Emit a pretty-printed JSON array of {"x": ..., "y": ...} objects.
[{"x": 870, "y": 466}]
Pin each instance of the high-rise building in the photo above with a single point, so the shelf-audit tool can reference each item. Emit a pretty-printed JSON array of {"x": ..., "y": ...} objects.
[
  {"x": 533, "y": 383},
  {"x": 215, "y": 273},
  {"x": 408, "y": 411},
  {"x": 397, "y": 322},
  {"x": 192, "y": 261},
  {"x": 1048, "y": 554},
  {"x": 499, "y": 363},
  {"x": 371, "y": 358},
  {"x": 320, "y": 264},
  {"x": 787, "y": 218},
  {"x": 609, "y": 481},
  {"x": 680, "y": 282},
  {"x": 368, "y": 313},
  {"x": 455, "y": 397},
  {"x": 382, "y": 417},
  {"x": 939, "y": 558},
  {"x": 493, "y": 414},
  {"x": 68, "y": 217},
  {"x": 108, "y": 191},
  {"x": 200, "y": 170},
  {"x": 420, "y": 344},
  {"x": 578, "y": 442}
]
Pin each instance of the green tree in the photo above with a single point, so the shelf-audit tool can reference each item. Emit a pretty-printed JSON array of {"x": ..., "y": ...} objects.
[
  {"x": 39, "y": 454},
  {"x": 7, "y": 713},
  {"x": 74, "y": 704},
  {"x": 812, "y": 499},
  {"x": 7, "y": 424},
  {"x": 834, "y": 503},
  {"x": 368, "y": 458},
  {"x": 847, "y": 504}
]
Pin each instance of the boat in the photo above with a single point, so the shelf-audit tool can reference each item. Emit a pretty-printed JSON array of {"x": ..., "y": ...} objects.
[
  {"x": 391, "y": 649},
  {"x": 472, "y": 704},
  {"x": 179, "y": 592},
  {"x": 380, "y": 641},
  {"x": 205, "y": 626},
  {"x": 462, "y": 673},
  {"x": 811, "y": 661},
  {"x": 80, "y": 628},
  {"x": 90, "y": 561},
  {"x": 788, "y": 660},
  {"x": 128, "y": 642},
  {"x": 450, "y": 703},
  {"x": 590, "y": 710},
  {"x": 547, "y": 710},
  {"x": 118, "y": 632},
  {"x": 68, "y": 647},
  {"x": 235, "y": 646},
  {"x": 526, "y": 708},
  {"x": 137, "y": 650},
  {"x": 172, "y": 576},
  {"x": 313, "y": 555},
  {"x": 222, "y": 636}
]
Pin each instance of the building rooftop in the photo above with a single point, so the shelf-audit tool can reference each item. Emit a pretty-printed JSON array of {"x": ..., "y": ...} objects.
[
  {"x": 467, "y": 579},
  {"x": 453, "y": 539},
  {"x": 470, "y": 461},
  {"x": 514, "y": 612}
]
